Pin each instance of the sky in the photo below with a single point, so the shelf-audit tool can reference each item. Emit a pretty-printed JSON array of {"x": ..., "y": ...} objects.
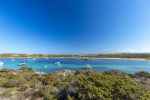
[{"x": 74, "y": 26}]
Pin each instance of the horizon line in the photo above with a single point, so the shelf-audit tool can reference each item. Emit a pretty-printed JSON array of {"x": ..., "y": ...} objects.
[{"x": 80, "y": 53}]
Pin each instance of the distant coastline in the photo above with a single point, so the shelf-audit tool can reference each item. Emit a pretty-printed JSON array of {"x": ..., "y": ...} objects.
[
  {"x": 122, "y": 56},
  {"x": 140, "y": 59}
]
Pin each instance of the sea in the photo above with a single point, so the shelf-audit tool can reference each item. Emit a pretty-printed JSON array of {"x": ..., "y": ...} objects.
[{"x": 48, "y": 65}]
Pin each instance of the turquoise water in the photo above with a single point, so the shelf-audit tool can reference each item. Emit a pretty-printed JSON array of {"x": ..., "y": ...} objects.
[{"x": 55, "y": 64}]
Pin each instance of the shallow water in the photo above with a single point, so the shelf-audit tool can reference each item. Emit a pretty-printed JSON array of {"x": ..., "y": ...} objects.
[{"x": 55, "y": 64}]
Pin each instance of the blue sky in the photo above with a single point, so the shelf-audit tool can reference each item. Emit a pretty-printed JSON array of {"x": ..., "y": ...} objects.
[{"x": 74, "y": 26}]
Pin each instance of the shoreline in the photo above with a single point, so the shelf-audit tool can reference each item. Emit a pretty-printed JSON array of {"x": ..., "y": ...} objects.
[
  {"x": 138, "y": 59},
  {"x": 81, "y": 58}
]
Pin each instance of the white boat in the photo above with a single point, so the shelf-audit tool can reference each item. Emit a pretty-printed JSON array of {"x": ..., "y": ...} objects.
[
  {"x": 21, "y": 64},
  {"x": 58, "y": 64},
  {"x": 88, "y": 66}
]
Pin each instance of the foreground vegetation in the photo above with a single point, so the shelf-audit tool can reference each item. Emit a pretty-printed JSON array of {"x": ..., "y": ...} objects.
[
  {"x": 86, "y": 56},
  {"x": 73, "y": 85}
]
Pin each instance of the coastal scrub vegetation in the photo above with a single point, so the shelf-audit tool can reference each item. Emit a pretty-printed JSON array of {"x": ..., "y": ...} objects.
[{"x": 25, "y": 84}]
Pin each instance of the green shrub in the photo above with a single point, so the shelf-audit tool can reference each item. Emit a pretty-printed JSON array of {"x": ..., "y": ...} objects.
[
  {"x": 146, "y": 96},
  {"x": 102, "y": 86},
  {"x": 81, "y": 85}
]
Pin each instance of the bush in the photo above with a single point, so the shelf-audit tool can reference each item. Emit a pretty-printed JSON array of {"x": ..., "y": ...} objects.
[
  {"x": 102, "y": 86},
  {"x": 146, "y": 96},
  {"x": 81, "y": 85}
]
